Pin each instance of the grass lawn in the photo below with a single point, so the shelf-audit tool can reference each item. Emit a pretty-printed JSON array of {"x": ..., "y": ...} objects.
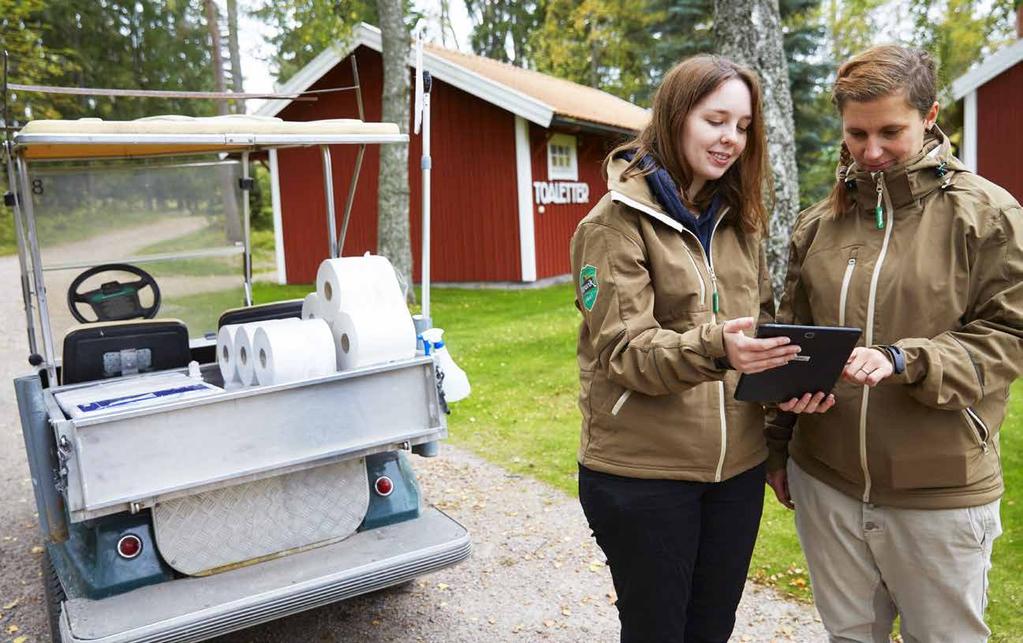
[{"x": 518, "y": 348}]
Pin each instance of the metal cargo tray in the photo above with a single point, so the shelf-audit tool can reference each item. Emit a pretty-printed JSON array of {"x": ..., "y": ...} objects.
[{"x": 133, "y": 459}]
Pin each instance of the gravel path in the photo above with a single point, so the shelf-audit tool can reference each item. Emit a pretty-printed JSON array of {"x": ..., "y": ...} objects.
[{"x": 535, "y": 573}]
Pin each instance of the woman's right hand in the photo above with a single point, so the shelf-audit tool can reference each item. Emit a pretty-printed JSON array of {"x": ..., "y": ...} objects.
[
  {"x": 779, "y": 481},
  {"x": 752, "y": 355}
]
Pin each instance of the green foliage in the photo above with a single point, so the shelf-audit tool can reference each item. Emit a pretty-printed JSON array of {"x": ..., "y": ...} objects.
[
  {"x": 958, "y": 33},
  {"x": 601, "y": 43},
  {"x": 503, "y": 28},
  {"x": 261, "y": 216},
  {"x": 304, "y": 28},
  {"x": 32, "y": 61},
  {"x": 127, "y": 44}
]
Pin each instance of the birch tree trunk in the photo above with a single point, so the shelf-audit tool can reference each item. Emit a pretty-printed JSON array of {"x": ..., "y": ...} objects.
[
  {"x": 232, "y": 218},
  {"x": 235, "y": 52},
  {"x": 750, "y": 32},
  {"x": 393, "y": 237}
]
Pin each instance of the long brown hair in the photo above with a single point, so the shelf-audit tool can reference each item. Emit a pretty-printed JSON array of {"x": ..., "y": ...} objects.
[
  {"x": 876, "y": 73},
  {"x": 688, "y": 83}
]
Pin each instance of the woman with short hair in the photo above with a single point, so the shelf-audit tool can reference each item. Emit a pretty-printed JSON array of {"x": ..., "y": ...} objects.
[{"x": 896, "y": 489}]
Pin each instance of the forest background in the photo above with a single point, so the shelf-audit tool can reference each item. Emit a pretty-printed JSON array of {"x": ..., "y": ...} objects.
[{"x": 621, "y": 46}]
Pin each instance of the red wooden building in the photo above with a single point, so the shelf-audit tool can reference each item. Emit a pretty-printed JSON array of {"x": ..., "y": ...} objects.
[
  {"x": 516, "y": 164},
  {"x": 992, "y": 126}
]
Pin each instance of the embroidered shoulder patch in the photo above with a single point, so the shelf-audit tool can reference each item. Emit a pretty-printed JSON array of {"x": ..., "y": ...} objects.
[{"x": 588, "y": 285}]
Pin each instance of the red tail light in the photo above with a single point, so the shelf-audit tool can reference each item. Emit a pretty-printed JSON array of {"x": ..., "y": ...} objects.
[
  {"x": 384, "y": 486},
  {"x": 129, "y": 546}
]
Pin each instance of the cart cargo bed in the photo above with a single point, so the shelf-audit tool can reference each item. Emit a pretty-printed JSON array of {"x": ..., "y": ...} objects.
[{"x": 130, "y": 460}]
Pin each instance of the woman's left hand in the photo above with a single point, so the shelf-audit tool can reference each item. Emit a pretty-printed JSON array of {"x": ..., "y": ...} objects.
[{"x": 867, "y": 366}]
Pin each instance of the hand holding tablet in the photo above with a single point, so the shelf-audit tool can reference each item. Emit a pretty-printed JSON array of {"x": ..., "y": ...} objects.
[
  {"x": 802, "y": 384},
  {"x": 755, "y": 354}
]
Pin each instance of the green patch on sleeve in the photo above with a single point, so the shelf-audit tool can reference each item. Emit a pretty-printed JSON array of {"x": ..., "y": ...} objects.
[{"x": 588, "y": 285}]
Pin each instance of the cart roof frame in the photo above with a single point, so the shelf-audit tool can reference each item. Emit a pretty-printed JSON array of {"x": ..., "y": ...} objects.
[{"x": 91, "y": 138}]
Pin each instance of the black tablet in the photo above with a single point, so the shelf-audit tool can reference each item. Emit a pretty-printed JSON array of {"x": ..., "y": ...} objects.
[{"x": 825, "y": 350}]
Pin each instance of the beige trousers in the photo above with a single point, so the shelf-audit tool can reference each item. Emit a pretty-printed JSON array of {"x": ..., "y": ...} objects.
[{"x": 869, "y": 563}]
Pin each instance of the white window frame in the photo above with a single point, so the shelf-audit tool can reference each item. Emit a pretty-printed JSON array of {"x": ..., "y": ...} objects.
[{"x": 558, "y": 172}]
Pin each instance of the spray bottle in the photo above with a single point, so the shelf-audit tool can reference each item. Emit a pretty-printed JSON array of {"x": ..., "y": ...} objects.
[{"x": 455, "y": 382}]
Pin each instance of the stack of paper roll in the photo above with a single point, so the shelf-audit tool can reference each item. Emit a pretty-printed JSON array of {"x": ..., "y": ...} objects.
[
  {"x": 361, "y": 300},
  {"x": 275, "y": 351}
]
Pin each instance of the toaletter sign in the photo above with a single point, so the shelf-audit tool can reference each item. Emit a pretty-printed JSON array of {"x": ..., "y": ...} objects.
[{"x": 546, "y": 192}]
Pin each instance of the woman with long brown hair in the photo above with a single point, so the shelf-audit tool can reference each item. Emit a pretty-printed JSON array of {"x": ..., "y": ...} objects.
[
  {"x": 896, "y": 489},
  {"x": 670, "y": 466}
]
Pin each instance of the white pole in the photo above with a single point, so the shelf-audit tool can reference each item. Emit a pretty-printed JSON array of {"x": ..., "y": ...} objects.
[{"x": 426, "y": 166}]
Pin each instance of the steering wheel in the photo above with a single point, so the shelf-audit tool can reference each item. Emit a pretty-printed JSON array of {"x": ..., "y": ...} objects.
[{"x": 114, "y": 300}]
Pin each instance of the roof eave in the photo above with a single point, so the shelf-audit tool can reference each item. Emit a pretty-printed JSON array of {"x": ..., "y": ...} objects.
[
  {"x": 366, "y": 35},
  {"x": 1003, "y": 59},
  {"x": 591, "y": 126}
]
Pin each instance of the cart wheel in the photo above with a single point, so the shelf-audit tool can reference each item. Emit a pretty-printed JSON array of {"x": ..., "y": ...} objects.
[{"x": 54, "y": 595}]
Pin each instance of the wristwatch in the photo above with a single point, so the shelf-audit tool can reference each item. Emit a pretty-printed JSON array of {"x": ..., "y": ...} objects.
[{"x": 895, "y": 356}]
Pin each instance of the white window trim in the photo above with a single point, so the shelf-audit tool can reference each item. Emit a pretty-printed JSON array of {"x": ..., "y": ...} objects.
[{"x": 562, "y": 173}]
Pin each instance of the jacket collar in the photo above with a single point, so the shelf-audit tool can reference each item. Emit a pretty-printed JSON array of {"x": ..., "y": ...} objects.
[
  {"x": 931, "y": 168},
  {"x": 635, "y": 193}
]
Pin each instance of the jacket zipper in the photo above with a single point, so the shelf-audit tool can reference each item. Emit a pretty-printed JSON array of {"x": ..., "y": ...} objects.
[
  {"x": 703, "y": 286},
  {"x": 846, "y": 279},
  {"x": 871, "y": 300},
  {"x": 715, "y": 301},
  {"x": 715, "y": 306},
  {"x": 974, "y": 422}
]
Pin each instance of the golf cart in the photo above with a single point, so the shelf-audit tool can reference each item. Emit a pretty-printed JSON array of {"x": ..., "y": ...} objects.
[{"x": 184, "y": 519}]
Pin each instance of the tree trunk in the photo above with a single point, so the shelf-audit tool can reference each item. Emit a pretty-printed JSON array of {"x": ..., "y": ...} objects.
[
  {"x": 236, "y": 57},
  {"x": 232, "y": 218},
  {"x": 750, "y": 33},
  {"x": 393, "y": 238}
]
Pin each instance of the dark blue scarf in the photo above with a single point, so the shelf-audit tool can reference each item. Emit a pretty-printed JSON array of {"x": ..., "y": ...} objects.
[{"x": 667, "y": 194}]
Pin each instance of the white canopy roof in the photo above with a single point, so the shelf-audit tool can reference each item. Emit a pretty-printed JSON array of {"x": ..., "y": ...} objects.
[{"x": 167, "y": 135}]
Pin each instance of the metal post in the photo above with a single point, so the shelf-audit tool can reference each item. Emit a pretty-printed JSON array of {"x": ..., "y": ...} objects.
[
  {"x": 358, "y": 88},
  {"x": 350, "y": 201},
  {"x": 37, "y": 274},
  {"x": 328, "y": 191},
  {"x": 246, "y": 231},
  {"x": 426, "y": 165}
]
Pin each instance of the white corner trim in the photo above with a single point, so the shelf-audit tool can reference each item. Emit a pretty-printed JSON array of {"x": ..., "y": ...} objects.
[
  {"x": 524, "y": 188},
  {"x": 275, "y": 200},
  {"x": 451, "y": 73},
  {"x": 995, "y": 64},
  {"x": 970, "y": 131}
]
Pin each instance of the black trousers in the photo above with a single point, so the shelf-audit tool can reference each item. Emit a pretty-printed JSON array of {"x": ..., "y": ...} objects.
[{"x": 678, "y": 551}]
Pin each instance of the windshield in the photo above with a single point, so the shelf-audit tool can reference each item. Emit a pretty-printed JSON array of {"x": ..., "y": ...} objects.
[{"x": 180, "y": 221}]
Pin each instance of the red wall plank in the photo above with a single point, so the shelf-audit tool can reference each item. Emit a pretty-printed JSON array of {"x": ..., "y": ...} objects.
[{"x": 1000, "y": 130}]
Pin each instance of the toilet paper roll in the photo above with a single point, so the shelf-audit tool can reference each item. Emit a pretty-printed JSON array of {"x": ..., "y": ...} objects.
[
  {"x": 226, "y": 355},
  {"x": 362, "y": 338},
  {"x": 244, "y": 361},
  {"x": 350, "y": 284},
  {"x": 289, "y": 352},
  {"x": 311, "y": 307}
]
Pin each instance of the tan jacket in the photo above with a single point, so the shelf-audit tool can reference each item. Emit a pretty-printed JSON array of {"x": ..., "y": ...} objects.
[
  {"x": 943, "y": 280},
  {"x": 654, "y": 402}
]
